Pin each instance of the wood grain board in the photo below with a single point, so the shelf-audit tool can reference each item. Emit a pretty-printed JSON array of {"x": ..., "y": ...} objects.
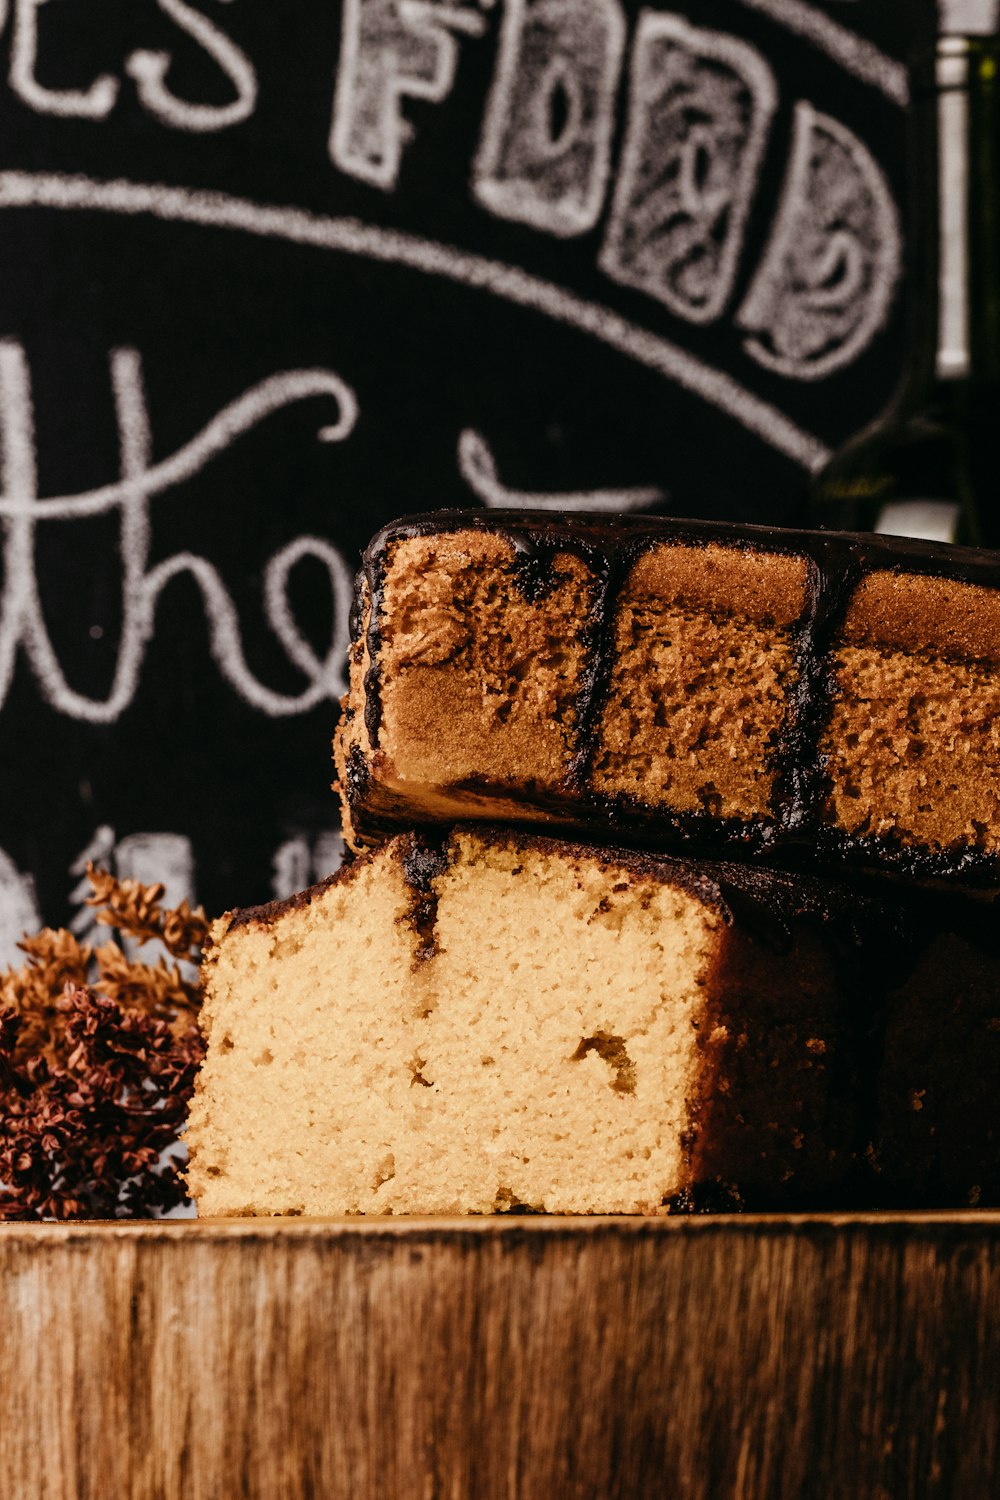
[{"x": 488, "y": 1359}]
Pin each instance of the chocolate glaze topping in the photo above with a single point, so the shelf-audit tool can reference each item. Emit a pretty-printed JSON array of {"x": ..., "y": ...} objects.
[
  {"x": 374, "y": 571},
  {"x": 610, "y": 546},
  {"x": 770, "y": 902},
  {"x": 422, "y": 863},
  {"x": 882, "y": 926},
  {"x": 270, "y": 911}
]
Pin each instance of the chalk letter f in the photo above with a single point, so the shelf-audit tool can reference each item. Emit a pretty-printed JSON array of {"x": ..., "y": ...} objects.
[{"x": 390, "y": 50}]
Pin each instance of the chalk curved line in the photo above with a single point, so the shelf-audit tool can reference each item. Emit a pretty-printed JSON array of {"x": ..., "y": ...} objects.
[
  {"x": 477, "y": 467},
  {"x": 351, "y": 237},
  {"x": 239, "y": 417},
  {"x": 853, "y": 53}
]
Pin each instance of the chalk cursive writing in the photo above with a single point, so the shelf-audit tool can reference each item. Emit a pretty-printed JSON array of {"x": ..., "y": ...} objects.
[
  {"x": 22, "y": 624},
  {"x": 477, "y": 467}
]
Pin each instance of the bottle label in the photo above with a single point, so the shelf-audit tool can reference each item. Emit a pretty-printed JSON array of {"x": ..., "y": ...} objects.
[
  {"x": 953, "y": 352},
  {"x": 969, "y": 17},
  {"x": 925, "y": 520}
]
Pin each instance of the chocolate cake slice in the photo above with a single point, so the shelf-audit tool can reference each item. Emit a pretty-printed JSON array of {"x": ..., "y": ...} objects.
[
  {"x": 936, "y": 1140},
  {"x": 503, "y": 1021},
  {"x": 811, "y": 699}
]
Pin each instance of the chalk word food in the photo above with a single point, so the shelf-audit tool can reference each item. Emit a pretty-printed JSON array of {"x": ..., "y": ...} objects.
[
  {"x": 700, "y": 106},
  {"x": 826, "y": 281}
]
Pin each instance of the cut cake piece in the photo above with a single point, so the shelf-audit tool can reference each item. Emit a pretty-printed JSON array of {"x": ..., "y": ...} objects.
[
  {"x": 506, "y": 1021},
  {"x": 936, "y": 1139},
  {"x": 702, "y": 663},
  {"x": 911, "y": 746},
  {"x": 814, "y": 699}
]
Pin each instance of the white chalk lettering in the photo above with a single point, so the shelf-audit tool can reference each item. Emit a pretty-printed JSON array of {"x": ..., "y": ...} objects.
[
  {"x": 391, "y": 50},
  {"x": 827, "y": 279},
  {"x": 18, "y": 910},
  {"x": 857, "y": 56},
  {"x": 478, "y": 468},
  {"x": 700, "y": 108},
  {"x": 291, "y": 868},
  {"x": 22, "y": 625},
  {"x": 92, "y": 103},
  {"x": 969, "y": 17},
  {"x": 165, "y": 859},
  {"x": 304, "y": 859},
  {"x": 100, "y": 849},
  {"x": 149, "y": 70},
  {"x": 545, "y": 152}
]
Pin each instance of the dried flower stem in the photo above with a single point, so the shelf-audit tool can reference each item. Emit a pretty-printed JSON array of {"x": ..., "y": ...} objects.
[
  {"x": 137, "y": 910},
  {"x": 98, "y": 1054}
]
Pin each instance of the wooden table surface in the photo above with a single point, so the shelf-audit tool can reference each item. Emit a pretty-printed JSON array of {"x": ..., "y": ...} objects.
[{"x": 855, "y": 1357}]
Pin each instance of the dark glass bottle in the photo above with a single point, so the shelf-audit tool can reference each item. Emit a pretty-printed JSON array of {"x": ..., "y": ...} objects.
[{"x": 928, "y": 467}]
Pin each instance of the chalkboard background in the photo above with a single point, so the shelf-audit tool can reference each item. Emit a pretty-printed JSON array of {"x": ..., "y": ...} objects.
[{"x": 271, "y": 275}]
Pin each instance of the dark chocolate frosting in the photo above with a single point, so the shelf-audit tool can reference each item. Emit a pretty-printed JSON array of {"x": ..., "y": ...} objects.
[
  {"x": 767, "y": 902},
  {"x": 797, "y": 836}
]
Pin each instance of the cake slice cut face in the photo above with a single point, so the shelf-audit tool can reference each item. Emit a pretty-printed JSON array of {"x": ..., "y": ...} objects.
[
  {"x": 702, "y": 667},
  {"x": 814, "y": 699},
  {"x": 506, "y": 1022},
  {"x": 469, "y": 676},
  {"x": 481, "y": 671},
  {"x": 508, "y": 678},
  {"x": 912, "y": 744}
]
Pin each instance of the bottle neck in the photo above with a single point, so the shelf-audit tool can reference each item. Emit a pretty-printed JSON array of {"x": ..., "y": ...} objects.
[{"x": 955, "y": 221}]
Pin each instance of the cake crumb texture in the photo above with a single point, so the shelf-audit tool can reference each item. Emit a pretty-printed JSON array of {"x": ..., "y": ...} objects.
[
  {"x": 912, "y": 750},
  {"x": 511, "y": 1023},
  {"x": 937, "y": 1139},
  {"x": 912, "y": 744},
  {"x": 703, "y": 666},
  {"x": 481, "y": 665},
  {"x": 819, "y": 698}
]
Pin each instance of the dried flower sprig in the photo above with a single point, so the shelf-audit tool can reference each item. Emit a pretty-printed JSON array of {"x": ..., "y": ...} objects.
[
  {"x": 98, "y": 1054},
  {"x": 55, "y": 959},
  {"x": 86, "y": 1139},
  {"x": 138, "y": 910},
  {"x": 158, "y": 989}
]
